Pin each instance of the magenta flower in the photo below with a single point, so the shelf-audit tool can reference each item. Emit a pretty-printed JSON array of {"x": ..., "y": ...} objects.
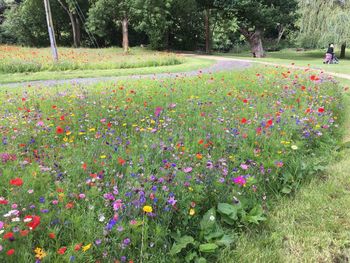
[{"x": 240, "y": 180}]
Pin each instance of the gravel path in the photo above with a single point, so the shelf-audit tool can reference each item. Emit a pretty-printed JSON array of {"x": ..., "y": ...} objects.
[{"x": 222, "y": 64}]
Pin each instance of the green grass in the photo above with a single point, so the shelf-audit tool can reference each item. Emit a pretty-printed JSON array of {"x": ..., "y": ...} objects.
[
  {"x": 187, "y": 65},
  {"x": 313, "y": 59},
  {"x": 313, "y": 225}
]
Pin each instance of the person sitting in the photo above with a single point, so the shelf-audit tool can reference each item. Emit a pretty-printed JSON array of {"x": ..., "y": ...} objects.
[{"x": 329, "y": 54}]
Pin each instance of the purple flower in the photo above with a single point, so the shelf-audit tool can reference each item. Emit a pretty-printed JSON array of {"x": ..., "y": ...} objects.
[
  {"x": 172, "y": 201},
  {"x": 126, "y": 241}
]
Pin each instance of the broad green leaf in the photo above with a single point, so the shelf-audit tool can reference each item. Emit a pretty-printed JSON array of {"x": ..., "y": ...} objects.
[
  {"x": 226, "y": 240},
  {"x": 181, "y": 244},
  {"x": 208, "y": 247}
]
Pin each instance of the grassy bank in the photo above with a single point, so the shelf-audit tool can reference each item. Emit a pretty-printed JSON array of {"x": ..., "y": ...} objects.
[
  {"x": 188, "y": 64},
  {"x": 313, "y": 225}
]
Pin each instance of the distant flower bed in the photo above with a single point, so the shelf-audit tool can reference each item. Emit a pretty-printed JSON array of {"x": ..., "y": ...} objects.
[
  {"x": 19, "y": 60},
  {"x": 155, "y": 170}
]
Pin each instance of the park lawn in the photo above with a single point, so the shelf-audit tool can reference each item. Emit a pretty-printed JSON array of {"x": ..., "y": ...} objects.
[
  {"x": 310, "y": 226},
  {"x": 289, "y": 57},
  {"x": 188, "y": 64},
  {"x": 149, "y": 170}
]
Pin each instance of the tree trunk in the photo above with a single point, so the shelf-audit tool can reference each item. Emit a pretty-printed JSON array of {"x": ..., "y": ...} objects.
[
  {"x": 256, "y": 44},
  {"x": 77, "y": 31},
  {"x": 281, "y": 30},
  {"x": 74, "y": 20},
  {"x": 207, "y": 31},
  {"x": 125, "y": 35},
  {"x": 342, "y": 50}
]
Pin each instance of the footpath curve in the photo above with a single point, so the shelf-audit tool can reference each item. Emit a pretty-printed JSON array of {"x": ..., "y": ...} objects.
[{"x": 221, "y": 64}]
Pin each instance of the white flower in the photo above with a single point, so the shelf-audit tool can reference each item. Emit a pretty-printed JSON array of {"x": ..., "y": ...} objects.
[
  {"x": 294, "y": 147},
  {"x": 212, "y": 218}
]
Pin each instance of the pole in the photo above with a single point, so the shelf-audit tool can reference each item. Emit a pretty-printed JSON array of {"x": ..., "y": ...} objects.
[{"x": 50, "y": 29}]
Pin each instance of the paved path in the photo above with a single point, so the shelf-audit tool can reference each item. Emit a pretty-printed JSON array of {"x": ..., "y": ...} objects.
[
  {"x": 222, "y": 64},
  {"x": 339, "y": 75}
]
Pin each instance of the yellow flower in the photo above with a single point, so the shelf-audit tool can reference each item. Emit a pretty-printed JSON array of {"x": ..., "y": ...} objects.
[
  {"x": 86, "y": 248},
  {"x": 39, "y": 253},
  {"x": 192, "y": 212},
  {"x": 103, "y": 156},
  {"x": 147, "y": 209}
]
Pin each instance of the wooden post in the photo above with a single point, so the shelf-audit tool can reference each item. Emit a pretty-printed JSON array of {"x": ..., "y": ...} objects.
[{"x": 50, "y": 29}]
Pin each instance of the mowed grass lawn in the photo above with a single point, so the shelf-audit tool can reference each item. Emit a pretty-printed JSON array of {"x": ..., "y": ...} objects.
[
  {"x": 309, "y": 58},
  {"x": 19, "y": 64},
  {"x": 152, "y": 170}
]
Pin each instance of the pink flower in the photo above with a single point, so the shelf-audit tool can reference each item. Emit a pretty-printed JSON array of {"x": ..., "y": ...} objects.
[
  {"x": 240, "y": 180},
  {"x": 157, "y": 111},
  {"x": 187, "y": 169}
]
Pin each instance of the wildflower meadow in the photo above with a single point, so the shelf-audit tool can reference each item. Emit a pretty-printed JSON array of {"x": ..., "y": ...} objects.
[{"x": 161, "y": 170}]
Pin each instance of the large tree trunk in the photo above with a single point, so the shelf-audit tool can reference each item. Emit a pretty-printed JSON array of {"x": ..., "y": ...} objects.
[
  {"x": 76, "y": 28},
  {"x": 125, "y": 35},
  {"x": 342, "y": 50},
  {"x": 256, "y": 46},
  {"x": 207, "y": 30}
]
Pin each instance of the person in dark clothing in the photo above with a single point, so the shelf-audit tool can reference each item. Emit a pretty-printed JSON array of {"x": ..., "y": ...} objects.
[
  {"x": 329, "y": 54},
  {"x": 330, "y": 50}
]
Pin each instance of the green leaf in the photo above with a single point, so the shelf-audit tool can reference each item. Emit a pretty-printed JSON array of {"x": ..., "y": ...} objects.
[
  {"x": 208, "y": 222},
  {"x": 215, "y": 234},
  {"x": 181, "y": 244},
  {"x": 255, "y": 215},
  {"x": 208, "y": 247},
  {"x": 286, "y": 190},
  {"x": 190, "y": 257},
  {"x": 228, "y": 213},
  {"x": 226, "y": 240},
  {"x": 201, "y": 260}
]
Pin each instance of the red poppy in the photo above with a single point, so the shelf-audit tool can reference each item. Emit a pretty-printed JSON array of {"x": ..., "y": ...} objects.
[
  {"x": 269, "y": 123},
  {"x": 244, "y": 120},
  {"x": 52, "y": 235},
  {"x": 3, "y": 201},
  {"x": 34, "y": 222},
  {"x": 16, "y": 181},
  {"x": 59, "y": 130},
  {"x": 245, "y": 101},
  {"x": 8, "y": 235},
  {"x": 314, "y": 78},
  {"x": 62, "y": 250},
  {"x": 121, "y": 161},
  {"x": 321, "y": 109},
  {"x": 10, "y": 252},
  {"x": 24, "y": 232},
  {"x": 78, "y": 246},
  {"x": 62, "y": 118},
  {"x": 84, "y": 166}
]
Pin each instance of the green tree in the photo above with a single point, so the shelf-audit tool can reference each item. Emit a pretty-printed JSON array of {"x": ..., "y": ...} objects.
[
  {"x": 254, "y": 17},
  {"x": 119, "y": 12},
  {"x": 154, "y": 18},
  {"x": 323, "y": 22}
]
